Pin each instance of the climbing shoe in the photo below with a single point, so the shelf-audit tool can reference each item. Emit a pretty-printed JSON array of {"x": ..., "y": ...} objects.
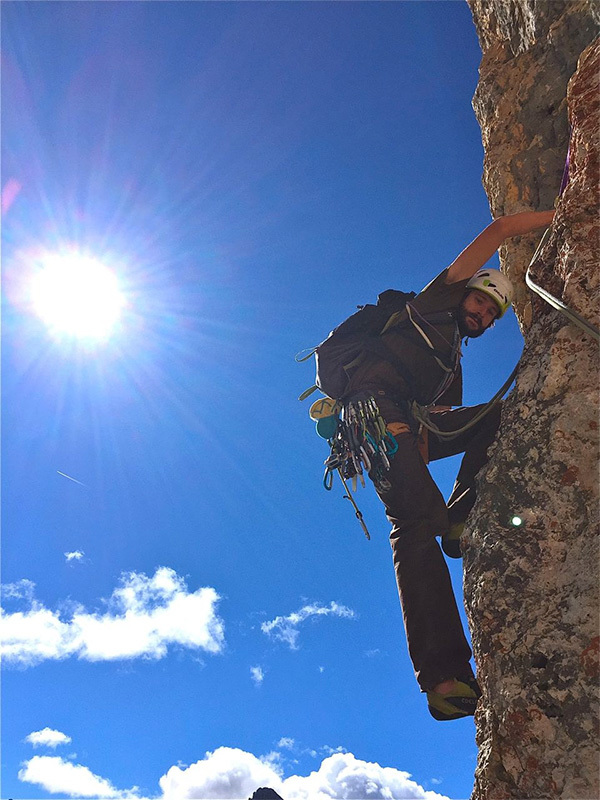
[
  {"x": 451, "y": 541},
  {"x": 461, "y": 702}
]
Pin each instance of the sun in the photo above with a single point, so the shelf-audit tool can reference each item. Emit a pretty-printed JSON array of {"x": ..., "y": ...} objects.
[{"x": 77, "y": 295}]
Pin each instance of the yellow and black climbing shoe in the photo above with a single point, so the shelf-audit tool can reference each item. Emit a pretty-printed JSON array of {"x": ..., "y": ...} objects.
[
  {"x": 461, "y": 702},
  {"x": 451, "y": 541}
]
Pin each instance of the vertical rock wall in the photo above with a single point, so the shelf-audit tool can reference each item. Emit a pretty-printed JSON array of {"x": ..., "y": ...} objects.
[{"x": 532, "y": 592}]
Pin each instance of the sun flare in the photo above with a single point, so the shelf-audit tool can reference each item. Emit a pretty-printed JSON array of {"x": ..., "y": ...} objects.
[{"x": 77, "y": 295}]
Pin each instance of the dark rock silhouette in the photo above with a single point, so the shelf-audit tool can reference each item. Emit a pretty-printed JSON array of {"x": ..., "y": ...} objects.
[{"x": 264, "y": 793}]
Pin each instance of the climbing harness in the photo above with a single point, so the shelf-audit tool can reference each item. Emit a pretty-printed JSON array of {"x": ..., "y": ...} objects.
[
  {"x": 359, "y": 442},
  {"x": 422, "y": 414}
]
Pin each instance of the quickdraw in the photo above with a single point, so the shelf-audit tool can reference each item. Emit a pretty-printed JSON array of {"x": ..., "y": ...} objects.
[{"x": 360, "y": 443}]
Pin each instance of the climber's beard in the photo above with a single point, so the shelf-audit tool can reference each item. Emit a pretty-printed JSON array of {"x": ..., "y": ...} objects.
[{"x": 469, "y": 324}]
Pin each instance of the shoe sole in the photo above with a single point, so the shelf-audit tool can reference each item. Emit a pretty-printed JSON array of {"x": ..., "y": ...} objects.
[
  {"x": 455, "y": 707},
  {"x": 440, "y": 717}
]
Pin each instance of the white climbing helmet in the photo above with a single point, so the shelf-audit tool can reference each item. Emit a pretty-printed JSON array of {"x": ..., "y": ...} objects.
[{"x": 495, "y": 285}]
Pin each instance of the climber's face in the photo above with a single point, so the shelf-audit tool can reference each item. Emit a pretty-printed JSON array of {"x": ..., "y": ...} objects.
[{"x": 476, "y": 313}]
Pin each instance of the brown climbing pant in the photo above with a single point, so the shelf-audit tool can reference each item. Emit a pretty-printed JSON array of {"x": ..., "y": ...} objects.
[{"x": 417, "y": 512}]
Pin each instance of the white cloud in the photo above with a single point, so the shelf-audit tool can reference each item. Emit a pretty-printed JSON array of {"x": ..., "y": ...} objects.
[
  {"x": 76, "y": 555},
  {"x": 343, "y": 776},
  {"x": 286, "y": 743},
  {"x": 223, "y": 774},
  {"x": 286, "y": 628},
  {"x": 331, "y": 750},
  {"x": 20, "y": 590},
  {"x": 144, "y": 616},
  {"x": 257, "y": 674},
  {"x": 233, "y": 774},
  {"x": 47, "y": 737},
  {"x": 56, "y": 775}
]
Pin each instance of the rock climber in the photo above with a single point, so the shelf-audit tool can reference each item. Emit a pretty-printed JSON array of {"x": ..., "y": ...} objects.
[{"x": 462, "y": 302}]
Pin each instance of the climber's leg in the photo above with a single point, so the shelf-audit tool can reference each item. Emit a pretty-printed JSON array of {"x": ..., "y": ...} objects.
[
  {"x": 474, "y": 443},
  {"x": 417, "y": 512}
]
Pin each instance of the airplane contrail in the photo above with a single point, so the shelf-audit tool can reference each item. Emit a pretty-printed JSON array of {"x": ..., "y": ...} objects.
[{"x": 70, "y": 478}]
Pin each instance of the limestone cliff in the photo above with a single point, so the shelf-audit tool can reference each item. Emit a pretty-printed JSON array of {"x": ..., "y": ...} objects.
[{"x": 532, "y": 592}]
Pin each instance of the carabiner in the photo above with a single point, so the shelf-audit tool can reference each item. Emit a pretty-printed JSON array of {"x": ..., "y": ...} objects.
[
  {"x": 393, "y": 448},
  {"x": 328, "y": 479}
]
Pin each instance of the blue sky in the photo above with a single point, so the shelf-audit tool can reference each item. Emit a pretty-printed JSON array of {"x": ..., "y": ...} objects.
[{"x": 189, "y": 613}]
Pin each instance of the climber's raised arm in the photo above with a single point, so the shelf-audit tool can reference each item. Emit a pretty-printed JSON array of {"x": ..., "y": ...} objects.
[{"x": 485, "y": 245}]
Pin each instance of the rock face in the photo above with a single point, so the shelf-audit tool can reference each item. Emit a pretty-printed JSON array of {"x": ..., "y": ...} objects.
[
  {"x": 532, "y": 592},
  {"x": 530, "y": 51}
]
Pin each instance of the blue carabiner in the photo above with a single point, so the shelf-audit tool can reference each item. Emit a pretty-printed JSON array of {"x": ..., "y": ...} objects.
[
  {"x": 328, "y": 479},
  {"x": 394, "y": 448},
  {"x": 371, "y": 441}
]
